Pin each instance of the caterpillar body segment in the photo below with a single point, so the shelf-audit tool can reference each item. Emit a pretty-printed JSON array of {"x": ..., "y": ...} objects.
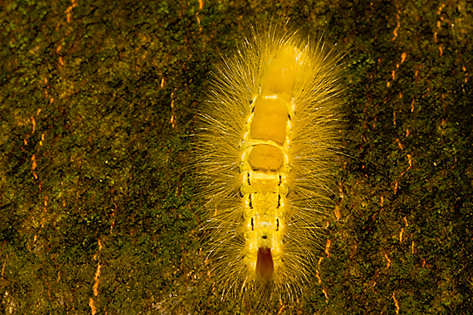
[{"x": 265, "y": 155}]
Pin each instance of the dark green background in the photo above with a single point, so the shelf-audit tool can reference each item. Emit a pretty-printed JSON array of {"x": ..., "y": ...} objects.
[{"x": 95, "y": 187}]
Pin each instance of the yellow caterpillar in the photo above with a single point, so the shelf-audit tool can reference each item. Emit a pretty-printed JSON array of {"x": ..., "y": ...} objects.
[{"x": 266, "y": 148}]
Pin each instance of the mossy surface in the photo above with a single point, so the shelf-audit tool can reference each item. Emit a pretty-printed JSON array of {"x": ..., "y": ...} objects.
[{"x": 98, "y": 207}]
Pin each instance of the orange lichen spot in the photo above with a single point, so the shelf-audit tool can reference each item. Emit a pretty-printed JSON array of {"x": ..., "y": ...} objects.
[
  {"x": 69, "y": 10},
  {"x": 403, "y": 57},
  {"x": 388, "y": 260},
  {"x": 327, "y": 247},
  {"x": 319, "y": 281},
  {"x": 34, "y": 123},
  {"x": 33, "y": 166},
  {"x": 396, "y": 303},
  {"x": 92, "y": 306},
  {"x": 336, "y": 211},
  {"x": 326, "y": 295},
  {"x": 399, "y": 144}
]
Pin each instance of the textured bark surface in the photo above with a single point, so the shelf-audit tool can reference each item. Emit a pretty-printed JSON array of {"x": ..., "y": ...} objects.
[{"x": 97, "y": 206}]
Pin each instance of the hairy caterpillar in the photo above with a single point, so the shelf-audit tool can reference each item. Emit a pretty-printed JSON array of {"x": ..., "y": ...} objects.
[{"x": 265, "y": 154}]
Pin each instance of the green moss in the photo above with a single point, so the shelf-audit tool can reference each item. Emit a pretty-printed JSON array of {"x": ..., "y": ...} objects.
[{"x": 93, "y": 171}]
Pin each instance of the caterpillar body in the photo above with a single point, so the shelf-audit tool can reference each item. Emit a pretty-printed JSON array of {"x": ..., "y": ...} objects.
[{"x": 265, "y": 154}]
